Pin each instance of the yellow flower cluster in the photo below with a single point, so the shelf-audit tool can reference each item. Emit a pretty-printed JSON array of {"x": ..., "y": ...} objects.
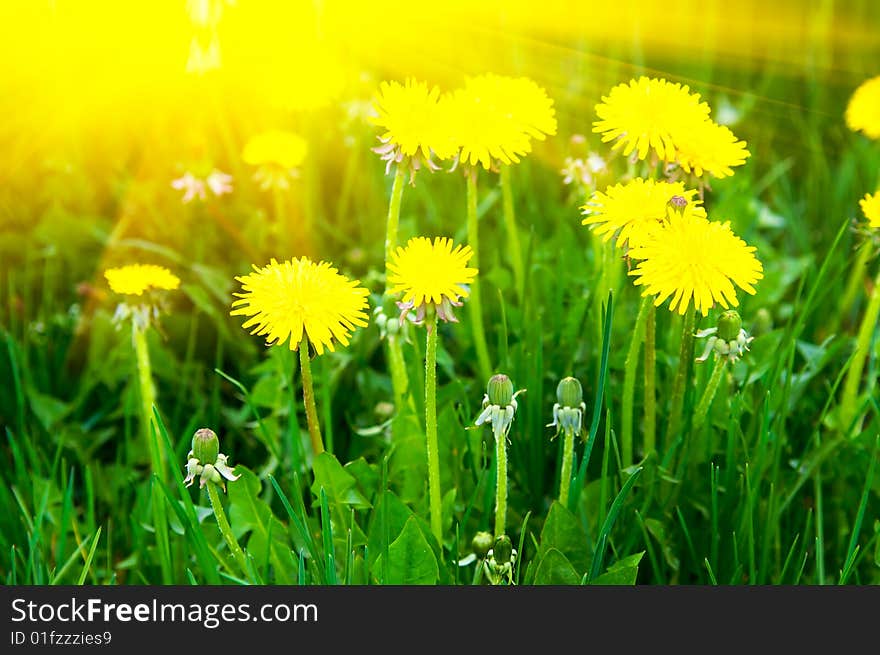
[
  {"x": 491, "y": 120},
  {"x": 650, "y": 115},
  {"x": 627, "y": 211}
]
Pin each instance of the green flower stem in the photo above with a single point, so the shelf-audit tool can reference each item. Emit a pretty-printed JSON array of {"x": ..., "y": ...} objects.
[
  {"x": 399, "y": 377},
  {"x": 157, "y": 459},
  {"x": 565, "y": 473},
  {"x": 629, "y": 384},
  {"x": 434, "y": 497},
  {"x": 501, "y": 485},
  {"x": 394, "y": 213},
  {"x": 685, "y": 354},
  {"x": 650, "y": 424},
  {"x": 225, "y": 528},
  {"x": 857, "y": 363},
  {"x": 148, "y": 399},
  {"x": 305, "y": 368},
  {"x": 280, "y": 230},
  {"x": 396, "y": 362},
  {"x": 857, "y": 274},
  {"x": 702, "y": 411},
  {"x": 475, "y": 302},
  {"x": 513, "y": 245}
]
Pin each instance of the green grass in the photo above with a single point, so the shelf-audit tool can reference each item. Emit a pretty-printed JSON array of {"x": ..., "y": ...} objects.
[{"x": 771, "y": 488}]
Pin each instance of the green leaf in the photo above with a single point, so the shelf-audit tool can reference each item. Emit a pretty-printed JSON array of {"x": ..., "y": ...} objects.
[
  {"x": 622, "y": 572},
  {"x": 366, "y": 475},
  {"x": 555, "y": 569},
  {"x": 339, "y": 485},
  {"x": 411, "y": 560},
  {"x": 47, "y": 409},
  {"x": 386, "y": 524},
  {"x": 564, "y": 532},
  {"x": 658, "y": 531},
  {"x": 269, "y": 541}
]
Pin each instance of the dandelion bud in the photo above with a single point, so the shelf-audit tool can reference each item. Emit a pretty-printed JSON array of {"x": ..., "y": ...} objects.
[
  {"x": 205, "y": 446},
  {"x": 500, "y": 390},
  {"x": 569, "y": 392},
  {"x": 677, "y": 204},
  {"x": 502, "y": 550},
  {"x": 729, "y": 325},
  {"x": 482, "y": 544},
  {"x": 207, "y": 462}
]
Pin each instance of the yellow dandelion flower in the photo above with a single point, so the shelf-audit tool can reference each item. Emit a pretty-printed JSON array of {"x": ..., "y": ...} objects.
[
  {"x": 494, "y": 118},
  {"x": 709, "y": 148},
  {"x": 431, "y": 273},
  {"x": 644, "y": 114},
  {"x": 624, "y": 211},
  {"x": 277, "y": 155},
  {"x": 870, "y": 205},
  {"x": 275, "y": 148},
  {"x": 690, "y": 257},
  {"x": 863, "y": 110},
  {"x": 410, "y": 115},
  {"x": 301, "y": 298},
  {"x": 135, "y": 279}
]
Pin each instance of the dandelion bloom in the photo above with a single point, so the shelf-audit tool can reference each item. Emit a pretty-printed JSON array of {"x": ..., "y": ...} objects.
[
  {"x": 412, "y": 122},
  {"x": 688, "y": 257},
  {"x": 625, "y": 210},
  {"x": 300, "y": 297},
  {"x": 277, "y": 155},
  {"x": 135, "y": 279},
  {"x": 709, "y": 148},
  {"x": 275, "y": 148},
  {"x": 431, "y": 273},
  {"x": 863, "y": 110},
  {"x": 870, "y": 205},
  {"x": 645, "y": 114},
  {"x": 494, "y": 118}
]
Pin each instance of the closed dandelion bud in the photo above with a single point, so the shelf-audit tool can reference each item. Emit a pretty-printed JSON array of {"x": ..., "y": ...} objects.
[
  {"x": 500, "y": 390},
  {"x": 502, "y": 550},
  {"x": 205, "y": 446},
  {"x": 206, "y": 462},
  {"x": 569, "y": 392},
  {"x": 482, "y": 544},
  {"x": 677, "y": 204},
  {"x": 729, "y": 325},
  {"x": 727, "y": 339}
]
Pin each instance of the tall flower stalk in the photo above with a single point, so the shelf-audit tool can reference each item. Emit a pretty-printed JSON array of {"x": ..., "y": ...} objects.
[
  {"x": 476, "y": 304},
  {"x": 870, "y": 205},
  {"x": 211, "y": 466},
  {"x": 433, "y": 277},
  {"x": 568, "y": 417},
  {"x": 143, "y": 287},
  {"x": 493, "y": 120},
  {"x": 302, "y": 304},
  {"x": 432, "y": 444},
  {"x": 413, "y": 135},
  {"x": 499, "y": 409}
]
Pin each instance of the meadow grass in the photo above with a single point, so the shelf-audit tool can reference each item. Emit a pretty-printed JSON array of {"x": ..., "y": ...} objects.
[{"x": 772, "y": 485}]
